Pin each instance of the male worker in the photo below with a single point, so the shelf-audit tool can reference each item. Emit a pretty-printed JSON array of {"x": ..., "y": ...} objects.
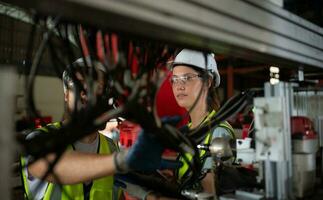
[{"x": 86, "y": 170}]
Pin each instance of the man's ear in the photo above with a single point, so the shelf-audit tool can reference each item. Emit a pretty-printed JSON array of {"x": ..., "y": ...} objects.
[{"x": 83, "y": 97}]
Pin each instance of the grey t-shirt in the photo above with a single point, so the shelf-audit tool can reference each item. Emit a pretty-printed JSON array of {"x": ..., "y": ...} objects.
[{"x": 87, "y": 147}]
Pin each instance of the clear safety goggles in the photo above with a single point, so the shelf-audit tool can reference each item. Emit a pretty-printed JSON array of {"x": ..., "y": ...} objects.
[{"x": 183, "y": 79}]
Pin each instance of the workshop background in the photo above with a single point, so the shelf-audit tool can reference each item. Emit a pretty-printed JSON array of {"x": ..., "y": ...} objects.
[{"x": 274, "y": 47}]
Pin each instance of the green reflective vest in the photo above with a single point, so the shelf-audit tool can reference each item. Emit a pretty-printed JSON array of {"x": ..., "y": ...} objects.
[
  {"x": 184, "y": 170},
  {"x": 102, "y": 188}
]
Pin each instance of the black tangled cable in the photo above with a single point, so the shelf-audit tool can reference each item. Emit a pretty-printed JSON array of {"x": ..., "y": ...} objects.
[{"x": 128, "y": 68}]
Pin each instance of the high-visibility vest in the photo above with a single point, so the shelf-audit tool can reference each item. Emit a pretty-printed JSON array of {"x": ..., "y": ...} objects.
[
  {"x": 183, "y": 171},
  {"x": 102, "y": 188},
  {"x": 27, "y": 193}
]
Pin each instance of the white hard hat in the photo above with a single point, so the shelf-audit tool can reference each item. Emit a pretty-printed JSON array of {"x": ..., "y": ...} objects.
[{"x": 197, "y": 59}]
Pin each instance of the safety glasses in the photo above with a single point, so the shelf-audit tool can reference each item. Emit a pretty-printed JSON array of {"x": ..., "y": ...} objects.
[{"x": 183, "y": 79}]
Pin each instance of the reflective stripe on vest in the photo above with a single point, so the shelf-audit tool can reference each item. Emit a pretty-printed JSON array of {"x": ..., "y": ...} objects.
[
  {"x": 184, "y": 169},
  {"x": 27, "y": 193},
  {"x": 24, "y": 178},
  {"x": 101, "y": 188}
]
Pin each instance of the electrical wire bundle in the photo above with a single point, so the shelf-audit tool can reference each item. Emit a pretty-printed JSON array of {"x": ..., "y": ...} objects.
[
  {"x": 129, "y": 81},
  {"x": 128, "y": 68},
  {"x": 129, "y": 74}
]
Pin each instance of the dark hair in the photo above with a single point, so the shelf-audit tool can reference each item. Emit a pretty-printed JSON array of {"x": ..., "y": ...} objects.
[{"x": 213, "y": 101}]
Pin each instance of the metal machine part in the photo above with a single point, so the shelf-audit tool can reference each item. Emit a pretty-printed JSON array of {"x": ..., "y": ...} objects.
[
  {"x": 220, "y": 149},
  {"x": 304, "y": 167},
  {"x": 320, "y": 130},
  {"x": 243, "y": 195},
  {"x": 320, "y": 133},
  {"x": 270, "y": 130},
  {"x": 305, "y": 145},
  {"x": 245, "y": 154},
  {"x": 288, "y": 174},
  {"x": 198, "y": 196},
  {"x": 273, "y": 138}
]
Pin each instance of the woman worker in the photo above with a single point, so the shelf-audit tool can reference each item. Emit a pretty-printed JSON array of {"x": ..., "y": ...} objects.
[{"x": 194, "y": 81}]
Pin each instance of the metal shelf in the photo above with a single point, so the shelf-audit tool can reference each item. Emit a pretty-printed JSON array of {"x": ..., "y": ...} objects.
[{"x": 255, "y": 30}]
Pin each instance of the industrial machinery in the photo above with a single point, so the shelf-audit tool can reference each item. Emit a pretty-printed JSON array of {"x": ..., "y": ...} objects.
[
  {"x": 133, "y": 39},
  {"x": 304, "y": 148},
  {"x": 286, "y": 147}
]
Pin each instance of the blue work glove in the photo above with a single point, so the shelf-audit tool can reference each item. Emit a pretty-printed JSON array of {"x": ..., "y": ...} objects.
[{"x": 144, "y": 155}]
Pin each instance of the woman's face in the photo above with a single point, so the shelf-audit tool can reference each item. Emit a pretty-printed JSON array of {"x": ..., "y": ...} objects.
[{"x": 186, "y": 84}]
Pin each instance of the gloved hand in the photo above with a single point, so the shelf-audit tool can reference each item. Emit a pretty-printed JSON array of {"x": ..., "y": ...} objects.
[
  {"x": 144, "y": 155},
  {"x": 132, "y": 189}
]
